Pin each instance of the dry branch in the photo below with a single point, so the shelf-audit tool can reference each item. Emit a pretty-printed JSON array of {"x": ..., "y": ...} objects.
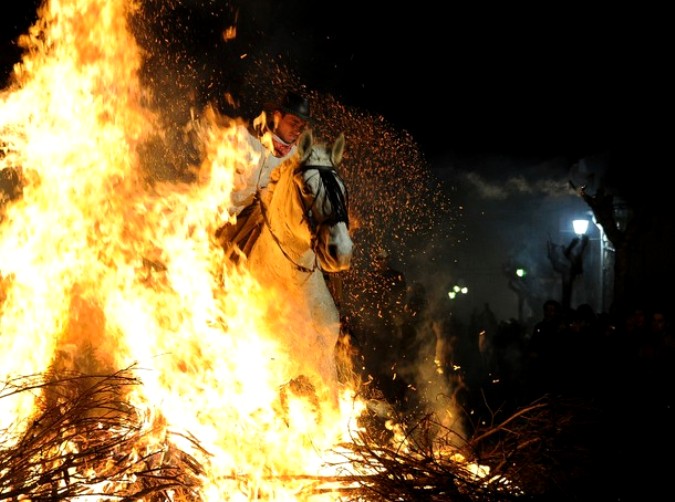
[
  {"x": 520, "y": 457},
  {"x": 86, "y": 439}
]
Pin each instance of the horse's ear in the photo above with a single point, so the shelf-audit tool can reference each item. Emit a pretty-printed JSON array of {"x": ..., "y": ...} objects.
[
  {"x": 305, "y": 144},
  {"x": 338, "y": 150}
]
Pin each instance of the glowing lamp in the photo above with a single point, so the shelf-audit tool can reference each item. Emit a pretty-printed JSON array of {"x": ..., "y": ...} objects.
[{"x": 580, "y": 226}]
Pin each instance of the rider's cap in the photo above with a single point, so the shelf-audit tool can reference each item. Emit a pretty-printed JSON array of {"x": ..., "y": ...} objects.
[{"x": 295, "y": 104}]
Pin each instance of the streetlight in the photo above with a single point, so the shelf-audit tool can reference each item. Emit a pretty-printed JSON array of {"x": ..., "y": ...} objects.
[
  {"x": 580, "y": 227},
  {"x": 456, "y": 290}
]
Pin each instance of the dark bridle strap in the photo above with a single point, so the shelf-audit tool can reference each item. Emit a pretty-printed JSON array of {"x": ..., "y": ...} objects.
[{"x": 336, "y": 196}]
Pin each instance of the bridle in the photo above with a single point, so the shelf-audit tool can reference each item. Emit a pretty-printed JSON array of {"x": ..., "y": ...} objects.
[
  {"x": 337, "y": 197},
  {"x": 336, "y": 194}
]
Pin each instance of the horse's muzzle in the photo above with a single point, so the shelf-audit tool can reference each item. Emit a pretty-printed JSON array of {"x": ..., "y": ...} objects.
[{"x": 334, "y": 247}]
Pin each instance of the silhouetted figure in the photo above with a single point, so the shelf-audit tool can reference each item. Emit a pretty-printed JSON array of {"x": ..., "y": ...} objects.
[
  {"x": 478, "y": 352},
  {"x": 412, "y": 324},
  {"x": 508, "y": 363},
  {"x": 543, "y": 350},
  {"x": 654, "y": 358},
  {"x": 582, "y": 353},
  {"x": 416, "y": 304},
  {"x": 662, "y": 336}
]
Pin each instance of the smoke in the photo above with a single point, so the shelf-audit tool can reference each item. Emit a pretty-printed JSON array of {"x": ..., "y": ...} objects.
[{"x": 501, "y": 178}]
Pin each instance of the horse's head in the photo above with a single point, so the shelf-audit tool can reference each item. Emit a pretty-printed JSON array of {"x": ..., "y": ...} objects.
[{"x": 325, "y": 199}]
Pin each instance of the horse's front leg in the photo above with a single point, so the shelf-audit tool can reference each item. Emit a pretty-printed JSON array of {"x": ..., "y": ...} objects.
[{"x": 326, "y": 322}]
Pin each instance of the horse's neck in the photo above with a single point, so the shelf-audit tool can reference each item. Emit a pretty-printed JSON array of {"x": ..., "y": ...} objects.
[
  {"x": 300, "y": 279},
  {"x": 286, "y": 222},
  {"x": 284, "y": 245},
  {"x": 279, "y": 261}
]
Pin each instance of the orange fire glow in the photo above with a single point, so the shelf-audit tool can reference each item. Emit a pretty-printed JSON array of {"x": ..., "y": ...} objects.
[{"x": 103, "y": 271}]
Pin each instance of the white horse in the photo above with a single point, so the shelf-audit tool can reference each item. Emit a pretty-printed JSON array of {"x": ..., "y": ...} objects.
[{"x": 305, "y": 233}]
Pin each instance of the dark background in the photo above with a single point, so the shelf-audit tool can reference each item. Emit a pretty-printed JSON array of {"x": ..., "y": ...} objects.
[
  {"x": 457, "y": 78},
  {"x": 466, "y": 79}
]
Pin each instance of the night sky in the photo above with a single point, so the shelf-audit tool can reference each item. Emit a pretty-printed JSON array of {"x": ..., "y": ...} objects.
[{"x": 476, "y": 84}]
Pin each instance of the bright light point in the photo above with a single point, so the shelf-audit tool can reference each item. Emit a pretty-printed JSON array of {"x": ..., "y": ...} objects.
[
  {"x": 452, "y": 294},
  {"x": 580, "y": 226},
  {"x": 456, "y": 289},
  {"x": 464, "y": 290},
  {"x": 520, "y": 272}
]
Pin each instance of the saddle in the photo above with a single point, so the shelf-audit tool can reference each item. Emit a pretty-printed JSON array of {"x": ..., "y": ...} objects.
[{"x": 240, "y": 237}]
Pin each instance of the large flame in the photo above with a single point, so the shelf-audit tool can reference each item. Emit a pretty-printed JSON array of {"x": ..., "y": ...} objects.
[{"x": 103, "y": 271}]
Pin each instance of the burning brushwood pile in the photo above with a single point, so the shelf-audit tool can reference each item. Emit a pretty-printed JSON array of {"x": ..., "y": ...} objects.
[{"x": 85, "y": 439}]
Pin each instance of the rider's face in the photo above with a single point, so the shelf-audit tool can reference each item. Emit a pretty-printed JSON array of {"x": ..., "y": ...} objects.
[{"x": 290, "y": 127}]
